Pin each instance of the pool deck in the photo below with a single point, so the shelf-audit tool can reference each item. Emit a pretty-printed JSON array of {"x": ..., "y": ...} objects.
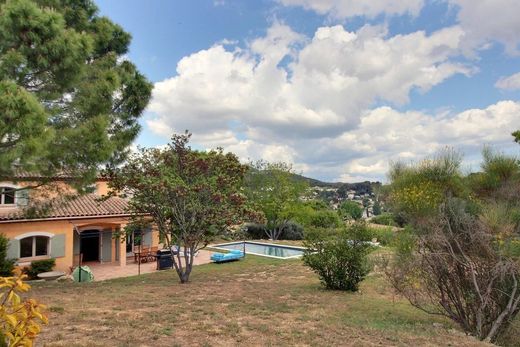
[{"x": 108, "y": 271}]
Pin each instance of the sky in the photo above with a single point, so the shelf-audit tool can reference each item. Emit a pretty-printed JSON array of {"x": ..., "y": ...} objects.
[{"x": 338, "y": 88}]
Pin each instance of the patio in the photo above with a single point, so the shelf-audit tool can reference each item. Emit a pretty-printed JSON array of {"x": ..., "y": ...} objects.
[{"x": 105, "y": 271}]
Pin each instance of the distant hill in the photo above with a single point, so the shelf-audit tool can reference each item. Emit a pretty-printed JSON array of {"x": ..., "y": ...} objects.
[{"x": 359, "y": 187}]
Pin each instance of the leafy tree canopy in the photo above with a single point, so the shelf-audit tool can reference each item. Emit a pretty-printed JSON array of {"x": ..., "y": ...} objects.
[
  {"x": 516, "y": 135},
  {"x": 350, "y": 210},
  {"x": 69, "y": 100},
  {"x": 189, "y": 195},
  {"x": 272, "y": 187}
]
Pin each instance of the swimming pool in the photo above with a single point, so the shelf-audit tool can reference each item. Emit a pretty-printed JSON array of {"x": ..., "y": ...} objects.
[{"x": 264, "y": 249}]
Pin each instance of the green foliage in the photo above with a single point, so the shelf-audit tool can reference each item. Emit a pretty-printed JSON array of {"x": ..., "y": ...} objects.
[
  {"x": 255, "y": 231},
  {"x": 385, "y": 236},
  {"x": 498, "y": 170},
  {"x": 516, "y": 135},
  {"x": 460, "y": 255},
  {"x": 6, "y": 265},
  {"x": 376, "y": 209},
  {"x": 273, "y": 189},
  {"x": 39, "y": 266},
  {"x": 292, "y": 231},
  {"x": 190, "y": 196},
  {"x": 313, "y": 214},
  {"x": 324, "y": 219},
  {"x": 63, "y": 83},
  {"x": 350, "y": 210},
  {"x": 384, "y": 219},
  {"x": 338, "y": 256},
  {"x": 418, "y": 190}
]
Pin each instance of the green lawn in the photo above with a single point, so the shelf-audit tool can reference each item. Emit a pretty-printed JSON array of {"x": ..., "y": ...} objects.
[{"x": 256, "y": 302}]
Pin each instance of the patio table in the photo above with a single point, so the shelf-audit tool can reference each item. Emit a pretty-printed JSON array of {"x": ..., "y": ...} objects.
[{"x": 145, "y": 255}]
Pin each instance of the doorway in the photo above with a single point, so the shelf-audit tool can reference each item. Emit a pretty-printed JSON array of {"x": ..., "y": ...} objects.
[{"x": 89, "y": 245}]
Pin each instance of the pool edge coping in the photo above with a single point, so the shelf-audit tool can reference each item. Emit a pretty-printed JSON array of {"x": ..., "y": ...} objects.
[{"x": 263, "y": 244}]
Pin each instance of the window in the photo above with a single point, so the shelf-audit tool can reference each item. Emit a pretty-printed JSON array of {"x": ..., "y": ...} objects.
[
  {"x": 7, "y": 195},
  {"x": 34, "y": 246}
]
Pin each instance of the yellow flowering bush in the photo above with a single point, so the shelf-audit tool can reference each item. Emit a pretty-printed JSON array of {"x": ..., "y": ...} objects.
[
  {"x": 20, "y": 319},
  {"x": 418, "y": 197}
]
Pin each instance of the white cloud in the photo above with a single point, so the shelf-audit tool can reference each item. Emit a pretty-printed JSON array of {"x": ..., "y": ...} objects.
[
  {"x": 386, "y": 134},
  {"x": 484, "y": 21},
  {"x": 341, "y": 9},
  {"x": 308, "y": 100},
  {"x": 509, "y": 83},
  {"x": 315, "y": 94}
]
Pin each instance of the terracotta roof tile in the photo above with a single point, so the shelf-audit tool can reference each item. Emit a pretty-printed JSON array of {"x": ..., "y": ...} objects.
[{"x": 88, "y": 205}]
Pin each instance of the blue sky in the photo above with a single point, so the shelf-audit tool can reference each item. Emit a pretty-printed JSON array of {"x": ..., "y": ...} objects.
[{"x": 339, "y": 88}]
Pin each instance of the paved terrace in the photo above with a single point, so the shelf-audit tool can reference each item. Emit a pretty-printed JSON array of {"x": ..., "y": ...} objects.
[{"x": 113, "y": 270}]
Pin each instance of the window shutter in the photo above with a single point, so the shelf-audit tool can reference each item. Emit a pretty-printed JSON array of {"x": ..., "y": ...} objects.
[
  {"x": 22, "y": 197},
  {"x": 147, "y": 237},
  {"x": 58, "y": 246},
  {"x": 106, "y": 251},
  {"x": 13, "y": 250}
]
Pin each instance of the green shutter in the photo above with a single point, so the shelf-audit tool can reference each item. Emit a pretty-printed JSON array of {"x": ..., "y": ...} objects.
[
  {"x": 22, "y": 197},
  {"x": 13, "y": 250},
  {"x": 58, "y": 246},
  {"x": 106, "y": 251},
  {"x": 147, "y": 237}
]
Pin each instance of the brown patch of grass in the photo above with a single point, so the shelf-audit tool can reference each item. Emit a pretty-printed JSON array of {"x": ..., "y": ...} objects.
[{"x": 257, "y": 301}]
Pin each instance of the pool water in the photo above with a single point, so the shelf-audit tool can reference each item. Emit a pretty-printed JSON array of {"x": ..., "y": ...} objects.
[{"x": 264, "y": 249}]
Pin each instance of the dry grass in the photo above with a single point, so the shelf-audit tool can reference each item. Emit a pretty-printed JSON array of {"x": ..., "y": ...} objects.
[{"x": 254, "y": 302}]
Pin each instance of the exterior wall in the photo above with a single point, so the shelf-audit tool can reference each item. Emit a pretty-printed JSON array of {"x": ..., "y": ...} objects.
[
  {"x": 12, "y": 230},
  {"x": 102, "y": 188},
  {"x": 70, "y": 236}
]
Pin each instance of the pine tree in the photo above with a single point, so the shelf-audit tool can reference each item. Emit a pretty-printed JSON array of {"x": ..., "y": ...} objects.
[{"x": 69, "y": 102}]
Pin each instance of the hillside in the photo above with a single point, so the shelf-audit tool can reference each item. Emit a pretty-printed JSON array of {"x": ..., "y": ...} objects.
[{"x": 359, "y": 187}]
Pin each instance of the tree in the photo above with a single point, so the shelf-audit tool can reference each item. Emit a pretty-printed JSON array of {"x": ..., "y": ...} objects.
[
  {"x": 188, "y": 195},
  {"x": 69, "y": 102},
  {"x": 274, "y": 189},
  {"x": 349, "y": 210},
  {"x": 516, "y": 135}
]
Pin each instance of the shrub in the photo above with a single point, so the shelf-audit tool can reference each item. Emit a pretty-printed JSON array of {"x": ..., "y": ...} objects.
[
  {"x": 39, "y": 266},
  {"x": 338, "y": 256},
  {"x": 384, "y": 219},
  {"x": 292, "y": 231},
  {"x": 458, "y": 266},
  {"x": 384, "y": 235},
  {"x": 376, "y": 209},
  {"x": 6, "y": 265},
  {"x": 235, "y": 235},
  {"x": 255, "y": 231},
  {"x": 324, "y": 219},
  {"x": 20, "y": 319},
  {"x": 350, "y": 210}
]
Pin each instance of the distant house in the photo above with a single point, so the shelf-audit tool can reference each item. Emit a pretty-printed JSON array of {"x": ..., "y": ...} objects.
[{"x": 69, "y": 227}]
